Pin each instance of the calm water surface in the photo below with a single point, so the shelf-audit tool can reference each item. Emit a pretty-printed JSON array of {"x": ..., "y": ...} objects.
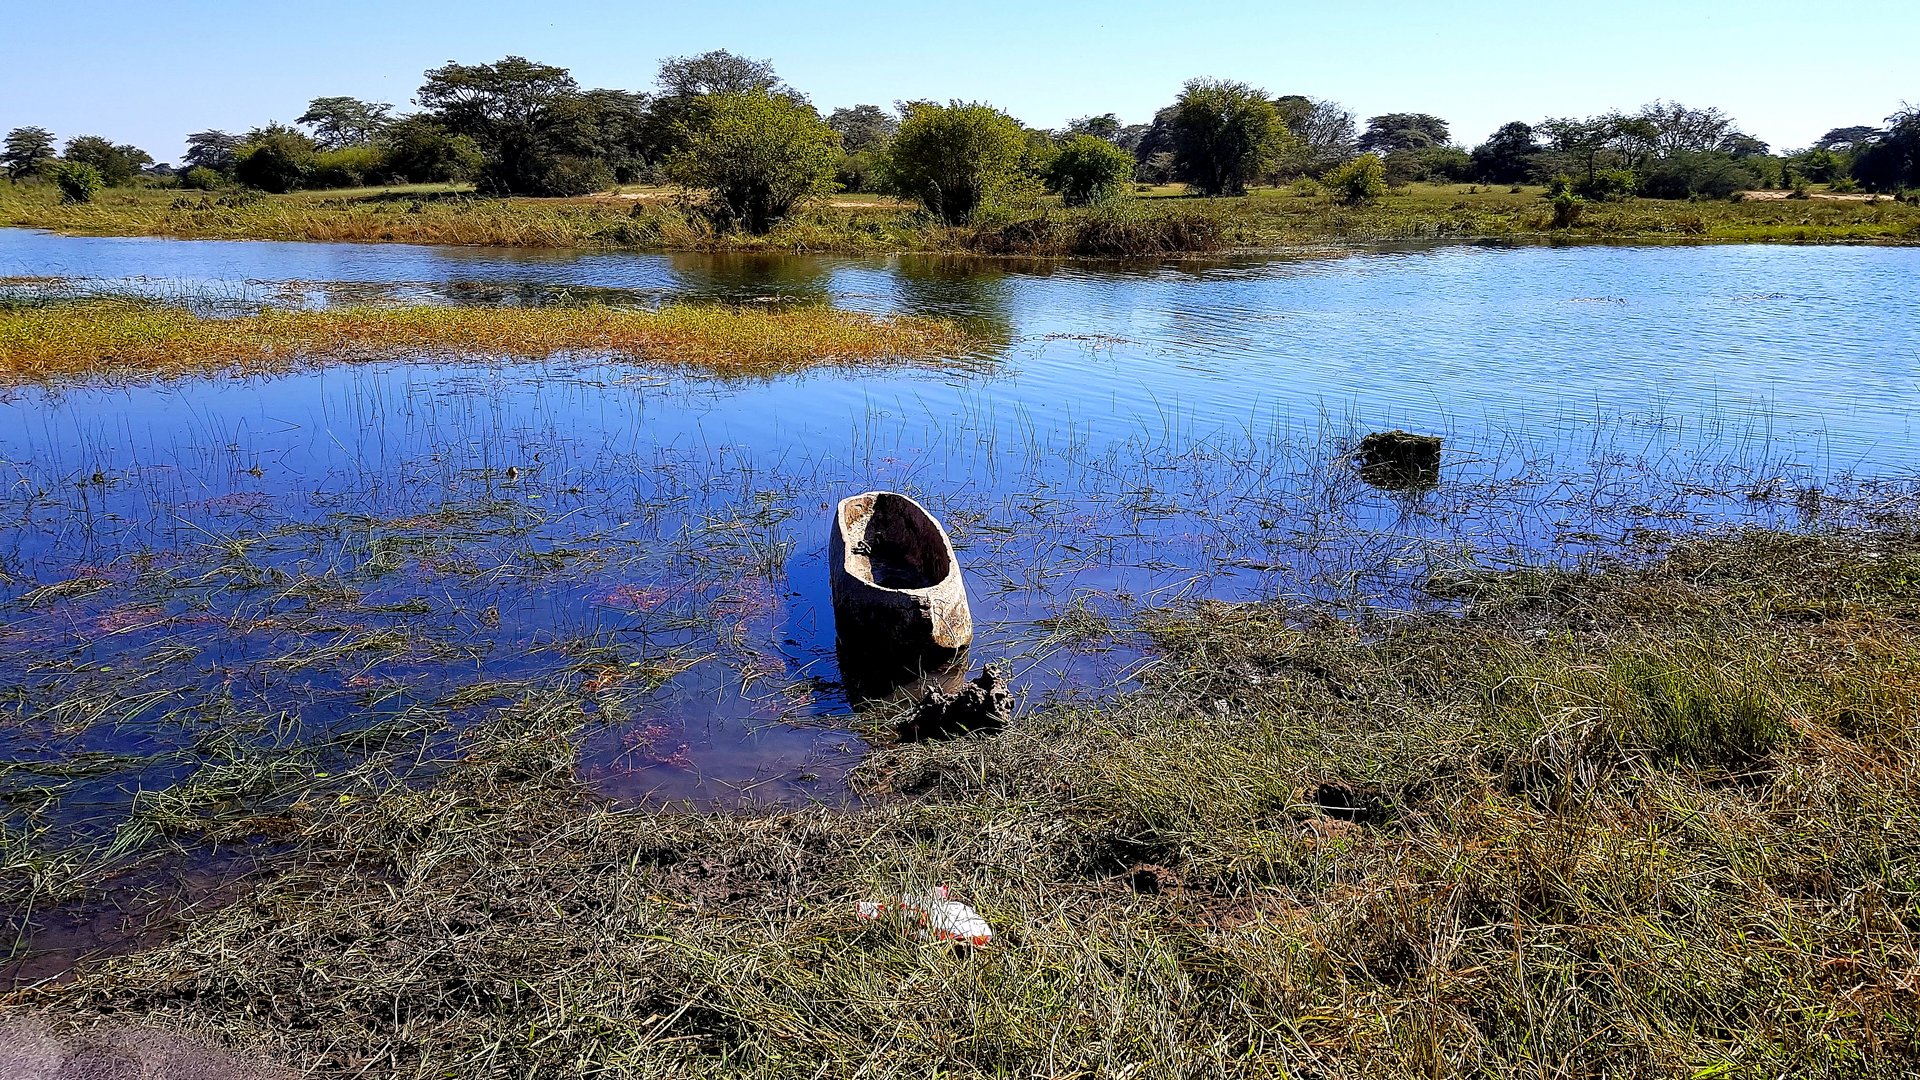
[{"x": 210, "y": 575}]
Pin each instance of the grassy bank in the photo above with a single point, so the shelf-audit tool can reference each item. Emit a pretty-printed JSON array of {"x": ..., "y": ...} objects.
[
  {"x": 111, "y": 338},
  {"x": 1658, "y": 821},
  {"x": 1156, "y": 224}
]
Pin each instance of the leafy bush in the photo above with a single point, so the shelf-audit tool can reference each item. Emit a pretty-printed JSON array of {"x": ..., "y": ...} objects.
[
  {"x": 1434, "y": 164},
  {"x": 1560, "y": 184},
  {"x": 117, "y": 163},
  {"x": 1567, "y": 208},
  {"x": 200, "y": 178},
  {"x": 1359, "y": 181},
  {"x": 1843, "y": 185},
  {"x": 1609, "y": 185},
  {"x": 1224, "y": 135},
  {"x": 349, "y": 167},
  {"x": 275, "y": 159},
  {"x": 420, "y": 151},
  {"x": 1709, "y": 174},
  {"x": 1893, "y": 162},
  {"x": 859, "y": 171},
  {"x": 956, "y": 157},
  {"x": 569, "y": 176},
  {"x": 78, "y": 181},
  {"x": 1088, "y": 170},
  {"x": 757, "y": 154}
]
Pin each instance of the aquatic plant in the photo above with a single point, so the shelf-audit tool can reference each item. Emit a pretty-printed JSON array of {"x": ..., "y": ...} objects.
[{"x": 110, "y": 338}]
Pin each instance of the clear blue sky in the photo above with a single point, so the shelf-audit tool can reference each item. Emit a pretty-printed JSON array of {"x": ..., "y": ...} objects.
[{"x": 149, "y": 72}]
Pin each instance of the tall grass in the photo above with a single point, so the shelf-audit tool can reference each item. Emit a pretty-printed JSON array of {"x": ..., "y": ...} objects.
[
  {"x": 111, "y": 338},
  {"x": 1645, "y": 822}
]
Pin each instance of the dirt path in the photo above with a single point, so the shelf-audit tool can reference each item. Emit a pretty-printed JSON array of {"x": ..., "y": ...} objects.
[{"x": 1823, "y": 196}]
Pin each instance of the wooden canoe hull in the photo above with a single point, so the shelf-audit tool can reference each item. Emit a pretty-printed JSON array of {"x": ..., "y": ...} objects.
[{"x": 899, "y": 601}]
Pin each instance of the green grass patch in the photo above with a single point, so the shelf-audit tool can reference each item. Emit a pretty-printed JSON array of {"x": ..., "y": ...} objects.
[
  {"x": 1653, "y": 821},
  {"x": 1157, "y": 222},
  {"x": 111, "y": 338}
]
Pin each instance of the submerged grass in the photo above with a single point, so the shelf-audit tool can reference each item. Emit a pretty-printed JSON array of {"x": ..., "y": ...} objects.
[
  {"x": 1639, "y": 822},
  {"x": 1157, "y": 224},
  {"x": 114, "y": 338}
]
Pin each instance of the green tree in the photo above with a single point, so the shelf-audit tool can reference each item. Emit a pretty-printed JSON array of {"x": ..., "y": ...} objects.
[
  {"x": 1892, "y": 161},
  {"x": 349, "y": 166},
  {"x": 214, "y": 150},
  {"x": 1104, "y": 126},
  {"x": 1360, "y": 181},
  {"x": 757, "y": 154},
  {"x": 863, "y": 128},
  {"x": 1224, "y": 135},
  {"x": 1323, "y": 134},
  {"x": 717, "y": 72},
  {"x": 610, "y": 126},
  {"x": 117, "y": 163},
  {"x": 682, "y": 81},
  {"x": 1088, "y": 169},
  {"x": 1712, "y": 174},
  {"x": 200, "y": 178},
  {"x": 509, "y": 109},
  {"x": 1509, "y": 156},
  {"x": 26, "y": 150},
  {"x": 1404, "y": 131},
  {"x": 274, "y": 158},
  {"x": 340, "y": 122},
  {"x": 955, "y": 158},
  {"x": 421, "y": 151},
  {"x": 1848, "y": 140},
  {"x": 78, "y": 181}
]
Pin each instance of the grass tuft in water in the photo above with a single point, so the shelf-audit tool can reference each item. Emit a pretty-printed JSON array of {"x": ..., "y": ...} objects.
[{"x": 115, "y": 338}]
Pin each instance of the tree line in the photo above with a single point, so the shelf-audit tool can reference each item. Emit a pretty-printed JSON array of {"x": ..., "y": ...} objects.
[{"x": 729, "y": 127}]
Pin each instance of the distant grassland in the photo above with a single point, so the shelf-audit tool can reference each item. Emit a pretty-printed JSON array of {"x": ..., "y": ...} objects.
[
  {"x": 115, "y": 338},
  {"x": 1158, "y": 223}
]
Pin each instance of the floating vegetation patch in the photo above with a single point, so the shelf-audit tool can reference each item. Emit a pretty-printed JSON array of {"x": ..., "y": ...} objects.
[{"x": 116, "y": 338}]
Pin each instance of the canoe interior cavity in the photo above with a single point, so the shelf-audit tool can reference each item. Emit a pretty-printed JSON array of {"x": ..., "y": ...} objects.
[{"x": 894, "y": 543}]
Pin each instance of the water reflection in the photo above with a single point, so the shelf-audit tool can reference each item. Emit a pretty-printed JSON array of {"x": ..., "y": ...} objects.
[{"x": 382, "y": 554}]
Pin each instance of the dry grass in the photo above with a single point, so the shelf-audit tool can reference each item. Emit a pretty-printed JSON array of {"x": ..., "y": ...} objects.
[
  {"x": 1646, "y": 822},
  {"x": 121, "y": 339}
]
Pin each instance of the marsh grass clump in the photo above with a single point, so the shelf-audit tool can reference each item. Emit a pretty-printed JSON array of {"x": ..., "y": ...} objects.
[
  {"x": 111, "y": 338},
  {"x": 1654, "y": 820}
]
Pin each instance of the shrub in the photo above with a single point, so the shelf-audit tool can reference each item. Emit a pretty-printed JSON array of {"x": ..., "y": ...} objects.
[
  {"x": 275, "y": 159},
  {"x": 1567, "y": 208},
  {"x": 420, "y": 151},
  {"x": 78, "y": 181},
  {"x": 1435, "y": 164},
  {"x": 200, "y": 178},
  {"x": 117, "y": 163},
  {"x": 1088, "y": 170},
  {"x": 1697, "y": 174},
  {"x": 1224, "y": 135},
  {"x": 1609, "y": 185},
  {"x": 1359, "y": 181},
  {"x": 757, "y": 154},
  {"x": 859, "y": 171},
  {"x": 568, "y": 176},
  {"x": 956, "y": 157},
  {"x": 1843, "y": 185},
  {"x": 349, "y": 166},
  {"x": 1560, "y": 184}
]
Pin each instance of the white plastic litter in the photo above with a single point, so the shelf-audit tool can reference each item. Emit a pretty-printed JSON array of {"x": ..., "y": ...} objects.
[{"x": 933, "y": 917}]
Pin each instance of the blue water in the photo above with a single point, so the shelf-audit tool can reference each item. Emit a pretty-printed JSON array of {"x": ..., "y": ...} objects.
[{"x": 653, "y": 543}]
